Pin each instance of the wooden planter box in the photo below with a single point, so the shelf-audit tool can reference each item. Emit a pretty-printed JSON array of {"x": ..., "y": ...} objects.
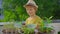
[
  {"x": 39, "y": 32},
  {"x": 47, "y": 33},
  {"x": 52, "y": 32},
  {"x": 9, "y": 31}
]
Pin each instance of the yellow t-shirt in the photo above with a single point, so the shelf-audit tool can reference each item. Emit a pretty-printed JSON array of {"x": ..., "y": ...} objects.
[{"x": 34, "y": 20}]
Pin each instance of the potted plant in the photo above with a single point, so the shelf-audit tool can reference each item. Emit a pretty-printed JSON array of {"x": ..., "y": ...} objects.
[
  {"x": 9, "y": 29},
  {"x": 27, "y": 30},
  {"x": 46, "y": 28}
]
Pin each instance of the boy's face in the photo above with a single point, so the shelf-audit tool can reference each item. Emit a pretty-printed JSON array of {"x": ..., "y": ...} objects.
[{"x": 30, "y": 10}]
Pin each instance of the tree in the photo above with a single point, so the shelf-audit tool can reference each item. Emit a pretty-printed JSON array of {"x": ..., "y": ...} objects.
[{"x": 13, "y": 9}]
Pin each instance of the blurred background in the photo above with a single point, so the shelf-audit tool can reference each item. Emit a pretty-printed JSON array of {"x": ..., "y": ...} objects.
[{"x": 14, "y": 10}]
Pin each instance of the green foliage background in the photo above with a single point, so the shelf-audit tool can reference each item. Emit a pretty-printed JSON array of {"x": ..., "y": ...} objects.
[{"x": 14, "y": 10}]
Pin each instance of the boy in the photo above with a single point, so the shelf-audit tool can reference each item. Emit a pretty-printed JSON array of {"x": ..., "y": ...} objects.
[{"x": 31, "y": 9}]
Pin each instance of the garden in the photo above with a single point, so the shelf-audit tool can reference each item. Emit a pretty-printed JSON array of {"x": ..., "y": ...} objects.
[{"x": 16, "y": 12}]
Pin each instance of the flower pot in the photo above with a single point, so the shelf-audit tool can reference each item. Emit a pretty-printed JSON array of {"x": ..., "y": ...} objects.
[
  {"x": 45, "y": 32},
  {"x": 51, "y": 32},
  {"x": 9, "y": 31}
]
